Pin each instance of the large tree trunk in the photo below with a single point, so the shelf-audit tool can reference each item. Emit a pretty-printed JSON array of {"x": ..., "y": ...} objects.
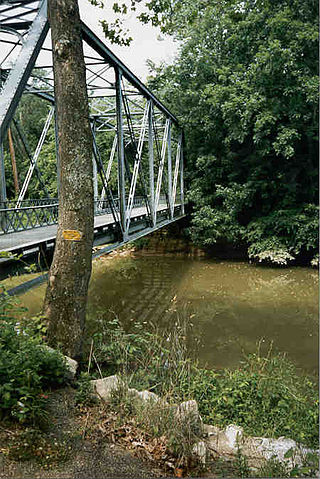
[{"x": 66, "y": 295}]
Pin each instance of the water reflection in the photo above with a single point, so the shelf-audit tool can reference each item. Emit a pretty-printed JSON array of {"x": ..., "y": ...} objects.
[{"x": 228, "y": 306}]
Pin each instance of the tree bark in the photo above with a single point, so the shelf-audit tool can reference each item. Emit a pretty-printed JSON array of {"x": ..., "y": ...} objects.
[{"x": 66, "y": 295}]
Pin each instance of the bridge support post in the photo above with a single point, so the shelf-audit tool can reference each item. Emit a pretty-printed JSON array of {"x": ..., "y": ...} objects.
[
  {"x": 121, "y": 163},
  {"x": 95, "y": 171},
  {"x": 3, "y": 190},
  {"x": 181, "y": 176},
  {"x": 151, "y": 163},
  {"x": 169, "y": 170}
]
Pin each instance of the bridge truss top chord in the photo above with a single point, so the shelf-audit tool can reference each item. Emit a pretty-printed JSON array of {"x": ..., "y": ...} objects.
[{"x": 137, "y": 141}]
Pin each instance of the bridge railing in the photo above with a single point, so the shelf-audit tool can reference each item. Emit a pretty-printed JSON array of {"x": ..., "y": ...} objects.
[
  {"x": 35, "y": 213},
  {"x": 102, "y": 207},
  {"x": 27, "y": 217},
  {"x": 30, "y": 202}
]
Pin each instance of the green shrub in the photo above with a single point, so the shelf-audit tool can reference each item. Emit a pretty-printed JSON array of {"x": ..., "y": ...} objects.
[
  {"x": 84, "y": 395},
  {"x": 27, "y": 368},
  {"x": 294, "y": 231},
  {"x": 118, "y": 349},
  {"x": 265, "y": 396}
]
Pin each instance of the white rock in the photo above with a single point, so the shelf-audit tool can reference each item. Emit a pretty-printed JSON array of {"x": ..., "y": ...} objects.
[
  {"x": 187, "y": 416},
  {"x": 148, "y": 396},
  {"x": 104, "y": 387},
  {"x": 210, "y": 431},
  {"x": 72, "y": 366},
  {"x": 188, "y": 410},
  {"x": 200, "y": 450},
  {"x": 234, "y": 435},
  {"x": 266, "y": 448},
  {"x": 224, "y": 442}
]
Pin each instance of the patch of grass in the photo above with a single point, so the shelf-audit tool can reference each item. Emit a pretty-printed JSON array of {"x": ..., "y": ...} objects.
[
  {"x": 265, "y": 395},
  {"x": 160, "y": 420}
]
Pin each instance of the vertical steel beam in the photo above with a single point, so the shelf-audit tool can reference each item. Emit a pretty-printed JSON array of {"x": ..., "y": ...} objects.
[
  {"x": 161, "y": 166},
  {"x": 170, "y": 170},
  {"x": 121, "y": 165},
  {"x": 95, "y": 169},
  {"x": 3, "y": 189},
  {"x": 181, "y": 175},
  {"x": 151, "y": 164}
]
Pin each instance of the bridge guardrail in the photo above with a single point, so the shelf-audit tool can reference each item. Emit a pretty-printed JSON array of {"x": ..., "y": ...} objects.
[
  {"x": 34, "y": 214},
  {"x": 9, "y": 204},
  {"x": 29, "y": 217}
]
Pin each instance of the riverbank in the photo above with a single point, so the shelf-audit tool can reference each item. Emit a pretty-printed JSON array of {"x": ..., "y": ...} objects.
[
  {"x": 171, "y": 321},
  {"x": 74, "y": 431}
]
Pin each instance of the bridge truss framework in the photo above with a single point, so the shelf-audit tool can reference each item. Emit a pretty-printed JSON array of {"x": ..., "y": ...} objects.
[{"x": 137, "y": 141}]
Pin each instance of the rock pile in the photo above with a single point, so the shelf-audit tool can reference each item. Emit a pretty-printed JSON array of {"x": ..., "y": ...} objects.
[{"x": 216, "y": 442}]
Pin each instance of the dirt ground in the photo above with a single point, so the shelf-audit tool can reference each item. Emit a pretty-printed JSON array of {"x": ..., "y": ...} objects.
[
  {"x": 89, "y": 443},
  {"x": 67, "y": 448}
]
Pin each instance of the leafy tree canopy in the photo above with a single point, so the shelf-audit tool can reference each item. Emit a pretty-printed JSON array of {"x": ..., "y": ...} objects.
[{"x": 245, "y": 86}]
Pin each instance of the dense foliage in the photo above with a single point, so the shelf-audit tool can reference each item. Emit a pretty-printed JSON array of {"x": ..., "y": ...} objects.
[
  {"x": 26, "y": 132},
  {"x": 27, "y": 367},
  {"x": 245, "y": 86},
  {"x": 264, "y": 395}
]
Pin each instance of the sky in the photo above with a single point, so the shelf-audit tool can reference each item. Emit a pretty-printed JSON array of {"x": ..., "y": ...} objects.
[{"x": 147, "y": 42}]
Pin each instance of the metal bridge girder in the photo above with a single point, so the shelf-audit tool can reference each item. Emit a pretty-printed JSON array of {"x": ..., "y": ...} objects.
[
  {"x": 19, "y": 74},
  {"x": 131, "y": 111}
]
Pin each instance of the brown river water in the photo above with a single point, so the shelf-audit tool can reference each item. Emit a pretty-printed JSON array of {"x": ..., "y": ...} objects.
[{"x": 227, "y": 306}]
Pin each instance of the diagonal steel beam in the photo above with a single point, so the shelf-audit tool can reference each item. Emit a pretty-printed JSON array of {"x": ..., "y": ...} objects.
[
  {"x": 161, "y": 166},
  {"x": 169, "y": 170},
  {"x": 35, "y": 157},
  {"x": 29, "y": 154},
  {"x": 110, "y": 162},
  {"x": 94, "y": 42},
  {"x": 182, "y": 173},
  {"x": 19, "y": 74},
  {"x": 137, "y": 162},
  {"x": 151, "y": 163},
  {"x": 176, "y": 173}
]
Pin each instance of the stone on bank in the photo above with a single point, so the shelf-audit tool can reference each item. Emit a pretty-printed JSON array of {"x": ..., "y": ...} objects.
[{"x": 225, "y": 443}]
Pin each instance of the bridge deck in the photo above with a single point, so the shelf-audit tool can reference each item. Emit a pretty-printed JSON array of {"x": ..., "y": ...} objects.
[{"x": 27, "y": 239}]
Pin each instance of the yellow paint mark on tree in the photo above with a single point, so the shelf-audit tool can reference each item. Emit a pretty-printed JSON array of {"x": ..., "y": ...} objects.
[{"x": 72, "y": 235}]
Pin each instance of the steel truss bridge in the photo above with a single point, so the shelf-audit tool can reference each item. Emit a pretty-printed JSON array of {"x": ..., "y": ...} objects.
[{"x": 137, "y": 141}]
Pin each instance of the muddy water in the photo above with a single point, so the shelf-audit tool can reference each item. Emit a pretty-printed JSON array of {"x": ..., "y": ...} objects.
[{"x": 227, "y": 306}]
